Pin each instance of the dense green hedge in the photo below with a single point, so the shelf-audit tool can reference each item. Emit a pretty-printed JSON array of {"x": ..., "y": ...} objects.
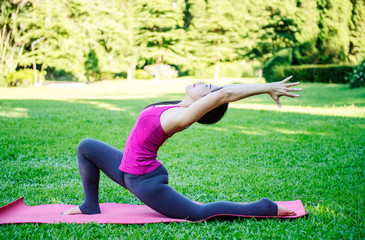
[
  {"x": 318, "y": 73},
  {"x": 273, "y": 71},
  {"x": 280, "y": 67}
]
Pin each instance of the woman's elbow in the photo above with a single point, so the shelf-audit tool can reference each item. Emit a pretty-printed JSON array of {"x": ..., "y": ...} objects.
[{"x": 225, "y": 95}]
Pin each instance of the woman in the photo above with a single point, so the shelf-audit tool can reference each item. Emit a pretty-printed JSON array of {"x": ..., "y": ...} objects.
[{"x": 138, "y": 170}]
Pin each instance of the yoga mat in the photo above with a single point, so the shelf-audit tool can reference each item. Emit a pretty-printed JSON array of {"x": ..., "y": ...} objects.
[{"x": 18, "y": 212}]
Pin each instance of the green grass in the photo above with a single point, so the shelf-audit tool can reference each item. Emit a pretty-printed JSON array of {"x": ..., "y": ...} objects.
[{"x": 311, "y": 149}]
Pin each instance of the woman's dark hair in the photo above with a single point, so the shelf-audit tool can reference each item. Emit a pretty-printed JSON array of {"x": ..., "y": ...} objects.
[
  {"x": 164, "y": 103},
  {"x": 214, "y": 115},
  {"x": 210, "y": 117}
]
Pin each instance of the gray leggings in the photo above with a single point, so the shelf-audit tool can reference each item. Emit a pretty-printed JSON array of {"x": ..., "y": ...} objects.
[{"x": 151, "y": 188}]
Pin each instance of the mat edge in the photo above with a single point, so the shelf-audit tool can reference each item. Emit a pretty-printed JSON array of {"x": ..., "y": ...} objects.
[{"x": 17, "y": 201}]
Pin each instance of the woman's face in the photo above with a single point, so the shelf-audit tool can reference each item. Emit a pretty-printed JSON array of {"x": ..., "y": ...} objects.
[{"x": 199, "y": 90}]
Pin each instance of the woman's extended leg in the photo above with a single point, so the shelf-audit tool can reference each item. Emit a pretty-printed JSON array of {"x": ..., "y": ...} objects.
[
  {"x": 94, "y": 156},
  {"x": 153, "y": 190}
]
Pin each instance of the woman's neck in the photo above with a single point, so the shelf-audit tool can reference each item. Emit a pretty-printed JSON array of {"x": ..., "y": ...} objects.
[{"x": 186, "y": 102}]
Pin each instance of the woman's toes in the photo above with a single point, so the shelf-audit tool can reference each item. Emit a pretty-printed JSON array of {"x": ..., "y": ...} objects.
[
  {"x": 283, "y": 211},
  {"x": 75, "y": 210}
]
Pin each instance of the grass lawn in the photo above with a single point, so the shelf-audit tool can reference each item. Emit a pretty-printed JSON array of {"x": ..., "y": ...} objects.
[{"x": 311, "y": 149}]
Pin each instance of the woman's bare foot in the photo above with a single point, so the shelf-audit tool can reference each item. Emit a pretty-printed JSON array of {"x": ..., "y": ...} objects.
[
  {"x": 283, "y": 211},
  {"x": 72, "y": 211}
]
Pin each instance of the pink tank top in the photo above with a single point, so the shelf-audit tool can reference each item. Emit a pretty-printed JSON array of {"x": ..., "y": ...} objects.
[{"x": 146, "y": 137}]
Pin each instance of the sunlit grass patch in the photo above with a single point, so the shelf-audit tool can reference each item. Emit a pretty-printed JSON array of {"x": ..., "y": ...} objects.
[
  {"x": 16, "y": 112},
  {"x": 102, "y": 105},
  {"x": 344, "y": 111}
]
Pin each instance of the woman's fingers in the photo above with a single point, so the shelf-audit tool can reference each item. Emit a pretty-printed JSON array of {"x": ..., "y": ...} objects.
[
  {"x": 278, "y": 102},
  {"x": 294, "y": 89},
  {"x": 287, "y": 79},
  {"x": 283, "y": 89},
  {"x": 292, "y": 95},
  {"x": 292, "y": 84},
  {"x": 276, "y": 99}
]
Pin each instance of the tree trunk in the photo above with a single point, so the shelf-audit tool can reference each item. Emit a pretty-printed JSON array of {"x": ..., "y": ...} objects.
[
  {"x": 34, "y": 64},
  {"x": 129, "y": 74},
  {"x": 216, "y": 73},
  {"x": 41, "y": 76},
  {"x": 158, "y": 77},
  {"x": 34, "y": 69},
  {"x": 158, "y": 69}
]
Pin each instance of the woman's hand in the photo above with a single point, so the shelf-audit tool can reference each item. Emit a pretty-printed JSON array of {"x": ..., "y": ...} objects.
[{"x": 282, "y": 88}]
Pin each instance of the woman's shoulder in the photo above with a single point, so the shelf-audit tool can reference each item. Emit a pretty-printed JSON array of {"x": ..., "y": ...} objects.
[
  {"x": 167, "y": 105},
  {"x": 159, "y": 109},
  {"x": 169, "y": 120}
]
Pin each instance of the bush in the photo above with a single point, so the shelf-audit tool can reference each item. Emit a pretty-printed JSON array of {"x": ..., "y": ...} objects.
[
  {"x": 23, "y": 77},
  {"x": 142, "y": 74},
  {"x": 91, "y": 65},
  {"x": 238, "y": 69},
  {"x": 59, "y": 75},
  {"x": 106, "y": 75},
  {"x": 2, "y": 79},
  {"x": 165, "y": 71},
  {"x": 198, "y": 70},
  {"x": 357, "y": 77},
  {"x": 318, "y": 73},
  {"x": 273, "y": 71},
  {"x": 231, "y": 69},
  {"x": 250, "y": 69}
]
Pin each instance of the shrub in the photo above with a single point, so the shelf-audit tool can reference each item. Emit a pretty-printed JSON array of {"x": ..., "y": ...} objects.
[
  {"x": 251, "y": 69},
  {"x": 318, "y": 73},
  {"x": 231, "y": 69},
  {"x": 198, "y": 70},
  {"x": 106, "y": 75},
  {"x": 2, "y": 79},
  {"x": 356, "y": 78},
  {"x": 273, "y": 71},
  {"x": 59, "y": 75},
  {"x": 22, "y": 77},
  {"x": 142, "y": 74},
  {"x": 92, "y": 69},
  {"x": 238, "y": 69},
  {"x": 165, "y": 71}
]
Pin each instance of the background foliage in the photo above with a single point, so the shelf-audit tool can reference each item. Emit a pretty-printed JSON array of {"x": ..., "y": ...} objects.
[{"x": 98, "y": 39}]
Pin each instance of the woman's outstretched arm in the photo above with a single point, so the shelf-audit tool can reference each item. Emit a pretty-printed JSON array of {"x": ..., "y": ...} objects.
[
  {"x": 237, "y": 92},
  {"x": 229, "y": 93}
]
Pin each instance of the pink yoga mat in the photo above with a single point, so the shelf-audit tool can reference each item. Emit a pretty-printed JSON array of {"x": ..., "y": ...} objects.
[{"x": 18, "y": 212}]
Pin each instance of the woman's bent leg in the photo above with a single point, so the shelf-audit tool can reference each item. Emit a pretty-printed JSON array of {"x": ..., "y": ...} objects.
[
  {"x": 153, "y": 190},
  {"x": 94, "y": 156}
]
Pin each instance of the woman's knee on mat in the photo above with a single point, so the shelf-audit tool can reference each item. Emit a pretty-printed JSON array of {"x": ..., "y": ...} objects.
[{"x": 85, "y": 145}]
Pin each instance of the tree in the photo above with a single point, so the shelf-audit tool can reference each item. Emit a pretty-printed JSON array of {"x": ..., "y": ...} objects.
[
  {"x": 11, "y": 42},
  {"x": 161, "y": 33},
  {"x": 110, "y": 28},
  {"x": 276, "y": 28},
  {"x": 357, "y": 32},
  {"x": 333, "y": 40},
  {"x": 63, "y": 46},
  {"x": 218, "y": 34},
  {"x": 306, "y": 19}
]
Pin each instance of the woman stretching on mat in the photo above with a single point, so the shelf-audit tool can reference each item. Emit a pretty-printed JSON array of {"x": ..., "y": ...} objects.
[{"x": 138, "y": 170}]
